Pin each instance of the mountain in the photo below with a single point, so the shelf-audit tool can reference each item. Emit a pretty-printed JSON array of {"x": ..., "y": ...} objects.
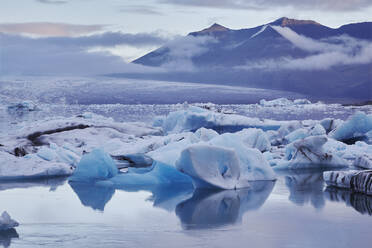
[{"x": 297, "y": 55}]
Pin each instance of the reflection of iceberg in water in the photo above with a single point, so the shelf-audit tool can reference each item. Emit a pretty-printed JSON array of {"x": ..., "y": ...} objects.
[
  {"x": 97, "y": 196},
  {"x": 53, "y": 183},
  {"x": 306, "y": 187},
  {"x": 6, "y": 237},
  {"x": 92, "y": 195},
  {"x": 166, "y": 197},
  {"x": 211, "y": 208},
  {"x": 360, "y": 202}
]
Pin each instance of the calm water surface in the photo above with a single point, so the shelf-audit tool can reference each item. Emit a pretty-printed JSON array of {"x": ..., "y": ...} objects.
[{"x": 295, "y": 211}]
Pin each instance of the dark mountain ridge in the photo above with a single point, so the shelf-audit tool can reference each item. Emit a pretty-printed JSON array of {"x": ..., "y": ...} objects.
[{"x": 240, "y": 57}]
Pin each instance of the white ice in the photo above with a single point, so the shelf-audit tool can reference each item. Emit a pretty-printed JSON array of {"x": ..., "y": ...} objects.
[
  {"x": 356, "y": 126},
  {"x": 6, "y": 222}
]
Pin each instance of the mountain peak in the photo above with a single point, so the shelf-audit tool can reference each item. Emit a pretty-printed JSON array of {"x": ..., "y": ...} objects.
[
  {"x": 285, "y": 21},
  {"x": 215, "y": 28}
]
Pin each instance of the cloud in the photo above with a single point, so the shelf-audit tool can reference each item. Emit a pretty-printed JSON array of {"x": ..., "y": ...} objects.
[
  {"x": 49, "y": 29},
  {"x": 140, "y": 9},
  {"x": 331, "y": 52},
  {"x": 304, "y": 42},
  {"x": 182, "y": 50},
  {"x": 327, "y": 5},
  {"x": 68, "y": 55},
  {"x": 107, "y": 39},
  {"x": 52, "y": 1}
]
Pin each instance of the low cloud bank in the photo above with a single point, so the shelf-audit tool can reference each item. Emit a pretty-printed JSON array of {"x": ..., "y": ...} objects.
[{"x": 324, "y": 54}]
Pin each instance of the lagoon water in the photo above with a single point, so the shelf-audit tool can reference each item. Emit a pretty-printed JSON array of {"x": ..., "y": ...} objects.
[{"x": 295, "y": 211}]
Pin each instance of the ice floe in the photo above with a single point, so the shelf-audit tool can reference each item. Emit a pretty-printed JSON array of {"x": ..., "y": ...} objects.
[
  {"x": 23, "y": 106},
  {"x": 283, "y": 102},
  {"x": 356, "y": 127},
  {"x": 193, "y": 118},
  {"x": 96, "y": 165},
  {"x": 210, "y": 166},
  {"x": 356, "y": 181},
  {"x": 6, "y": 222},
  {"x": 31, "y": 166},
  {"x": 309, "y": 153}
]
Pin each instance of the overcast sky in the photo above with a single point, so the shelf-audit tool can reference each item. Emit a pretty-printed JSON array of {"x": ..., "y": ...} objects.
[{"x": 131, "y": 28}]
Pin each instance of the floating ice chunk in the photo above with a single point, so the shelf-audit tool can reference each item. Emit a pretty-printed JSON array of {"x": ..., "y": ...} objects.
[
  {"x": 289, "y": 127},
  {"x": 276, "y": 102},
  {"x": 169, "y": 153},
  {"x": 369, "y": 137},
  {"x": 46, "y": 153},
  {"x": 161, "y": 174},
  {"x": 253, "y": 165},
  {"x": 186, "y": 120},
  {"x": 296, "y": 135},
  {"x": 23, "y": 106},
  {"x": 355, "y": 127},
  {"x": 137, "y": 160},
  {"x": 30, "y": 166},
  {"x": 96, "y": 165},
  {"x": 330, "y": 124},
  {"x": 158, "y": 121},
  {"x": 6, "y": 222},
  {"x": 302, "y": 133},
  {"x": 357, "y": 181},
  {"x": 317, "y": 130},
  {"x": 255, "y": 138},
  {"x": 210, "y": 166},
  {"x": 301, "y": 101},
  {"x": 283, "y": 102},
  {"x": 309, "y": 153},
  {"x": 363, "y": 161},
  {"x": 205, "y": 134},
  {"x": 58, "y": 154},
  {"x": 193, "y": 118}
]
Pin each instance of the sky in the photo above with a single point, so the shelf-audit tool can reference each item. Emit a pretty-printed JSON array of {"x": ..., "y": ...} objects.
[{"x": 119, "y": 31}]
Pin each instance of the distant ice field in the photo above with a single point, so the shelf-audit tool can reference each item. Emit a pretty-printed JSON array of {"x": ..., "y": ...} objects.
[{"x": 105, "y": 90}]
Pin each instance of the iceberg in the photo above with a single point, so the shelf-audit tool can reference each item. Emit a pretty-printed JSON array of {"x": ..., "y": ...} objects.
[
  {"x": 58, "y": 154},
  {"x": 210, "y": 166},
  {"x": 283, "y": 102},
  {"x": 96, "y": 165},
  {"x": 276, "y": 102},
  {"x": 255, "y": 138},
  {"x": 23, "y": 106},
  {"x": 353, "y": 129},
  {"x": 161, "y": 174},
  {"x": 356, "y": 181},
  {"x": 30, "y": 166},
  {"x": 300, "y": 133},
  {"x": 6, "y": 222},
  {"x": 99, "y": 167},
  {"x": 330, "y": 124},
  {"x": 363, "y": 161},
  {"x": 253, "y": 165},
  {"x": 310, "y": 153},
  {"x": 193, "y": 118},
  {"x": 205, "y": 134}
]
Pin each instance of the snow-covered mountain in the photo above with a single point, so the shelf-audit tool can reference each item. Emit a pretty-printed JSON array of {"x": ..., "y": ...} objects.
[{"x": 298, "y": 55}]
